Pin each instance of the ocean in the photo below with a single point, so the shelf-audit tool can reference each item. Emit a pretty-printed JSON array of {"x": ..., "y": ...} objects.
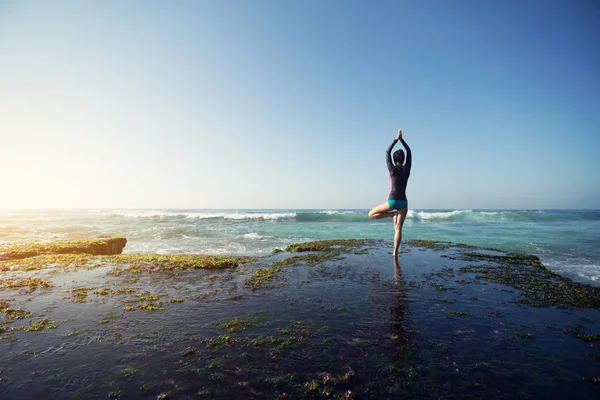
[{"x": 567, "y": 241}]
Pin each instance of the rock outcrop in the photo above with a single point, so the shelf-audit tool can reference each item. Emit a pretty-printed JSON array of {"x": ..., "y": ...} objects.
[{"x": 95, "y": 246}]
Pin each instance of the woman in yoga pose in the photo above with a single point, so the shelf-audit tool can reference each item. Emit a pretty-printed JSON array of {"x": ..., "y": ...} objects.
[{"x": 397, "y": 205}]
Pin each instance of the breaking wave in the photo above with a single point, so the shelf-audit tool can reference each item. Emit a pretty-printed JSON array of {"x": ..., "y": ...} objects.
[{"x": 362, "y": 215}]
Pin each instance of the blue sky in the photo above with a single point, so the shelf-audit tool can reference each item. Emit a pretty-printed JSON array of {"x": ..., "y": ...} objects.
[{"x": 291, "y": 104}]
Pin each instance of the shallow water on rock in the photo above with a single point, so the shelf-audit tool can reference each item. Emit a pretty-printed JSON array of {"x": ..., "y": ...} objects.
[{"x": 359, "y": 326}]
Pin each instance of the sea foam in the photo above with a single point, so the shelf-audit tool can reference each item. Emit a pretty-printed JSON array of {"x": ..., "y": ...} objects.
[{"x": 434, "y": 215}]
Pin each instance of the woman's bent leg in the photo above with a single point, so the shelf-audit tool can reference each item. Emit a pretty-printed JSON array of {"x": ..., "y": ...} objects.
[
  {"x": 398, "y": 223},
  {"x": 381, "y": 211}
]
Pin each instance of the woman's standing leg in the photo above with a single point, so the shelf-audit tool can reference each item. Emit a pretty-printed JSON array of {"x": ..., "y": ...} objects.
[{"x": 398, "y": 222}]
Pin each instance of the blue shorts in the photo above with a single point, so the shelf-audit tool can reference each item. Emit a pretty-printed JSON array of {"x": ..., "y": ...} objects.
[{"x": 398, "y": 204}]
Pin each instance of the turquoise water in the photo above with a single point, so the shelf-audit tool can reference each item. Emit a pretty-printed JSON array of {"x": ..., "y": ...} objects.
[{"x": 567, "y": 241}]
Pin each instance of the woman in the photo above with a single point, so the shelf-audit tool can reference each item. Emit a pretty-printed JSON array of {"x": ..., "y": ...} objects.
[{"x": 397, "y": 204}]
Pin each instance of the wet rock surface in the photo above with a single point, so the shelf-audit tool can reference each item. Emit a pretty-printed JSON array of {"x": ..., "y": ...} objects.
[{"x": 329, "y": 319}]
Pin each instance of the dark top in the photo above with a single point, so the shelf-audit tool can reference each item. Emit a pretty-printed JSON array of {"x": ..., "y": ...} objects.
[{"x": 398, "y": 175}]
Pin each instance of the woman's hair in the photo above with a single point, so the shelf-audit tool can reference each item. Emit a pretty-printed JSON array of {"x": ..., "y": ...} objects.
[{"x": 399, "y": 157}]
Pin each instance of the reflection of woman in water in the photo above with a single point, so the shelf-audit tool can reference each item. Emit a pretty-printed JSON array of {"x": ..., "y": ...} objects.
[
  {"x": 397, "y": 205},
  {"x": 400, "y": 317}
]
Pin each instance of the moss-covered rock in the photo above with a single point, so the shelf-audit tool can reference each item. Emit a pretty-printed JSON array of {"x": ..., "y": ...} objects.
[
  {"x": 326, "y": 245},
  {"x": 509, "y": 258},
  {"x": 152, "y": 263},
  {"x": 125, "y": 263},
  {"x": 538, "y": 286},
  {"x": 18, "y": 283},
  {"x": 95, "y": 246},
  {"x": 54, "y": 261},
  {"x": 263, "y": 277},
  {"x": 310, "y": 259}
]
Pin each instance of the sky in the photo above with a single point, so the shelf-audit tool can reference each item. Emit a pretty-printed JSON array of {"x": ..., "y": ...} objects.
[{"x": 291, "y": 104}]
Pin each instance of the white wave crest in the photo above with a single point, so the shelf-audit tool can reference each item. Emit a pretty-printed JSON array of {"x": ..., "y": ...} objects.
[
  {"x": 148, "y": 214},
  {"x": 252, "y": 235},
  {"x": 590, "y": 271},
  {"x": 433, "y": 215},
  {"x": 336, "y": 212},
  {"x": 240, "y": 216},
  {"x": 205, "y": 215},
  {"x": 202, "y": 215},
  {"x": 260, "y": 216}
]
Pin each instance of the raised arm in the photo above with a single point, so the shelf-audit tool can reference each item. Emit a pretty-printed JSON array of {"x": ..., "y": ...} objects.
[
  {"x": 408, "y": 163},
  {"x": 388, "y": 155},
  {"x": 388, "y": 152}
]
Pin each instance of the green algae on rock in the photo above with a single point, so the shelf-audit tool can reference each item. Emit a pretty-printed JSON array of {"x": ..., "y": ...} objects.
[
  {"x": 145, "y": 301},
  {"x": 108, "y": 291},
  {"x": 538, "y": 286},
  {"x": 80, "y": 294},
  {"x": 18, "y": 283},
  {"x": 55, "y": 261},
  {"x": 577, "y": 331},
  {"x": 509, "y": 258},
  {"x": 326, "y": 245},
  {"x": 15, "y": 313},
  {"x": 78, "y": 332},
  {"x": 111, "y": 315},
  {"x": 156, "y": 263},
  {"x": 124, "y": 263},
  {"x": 4, "y": 304},
  {"x": 311, "y": 259},
  {"x": 237, "y": 324},
  {"x": 264, "y": 277},
  {"x": 329, "y": 250},
  {"x": 95, "y": 246},
  {"x": 40, "y": 325},
  {"x": 11, "y": 315}
]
